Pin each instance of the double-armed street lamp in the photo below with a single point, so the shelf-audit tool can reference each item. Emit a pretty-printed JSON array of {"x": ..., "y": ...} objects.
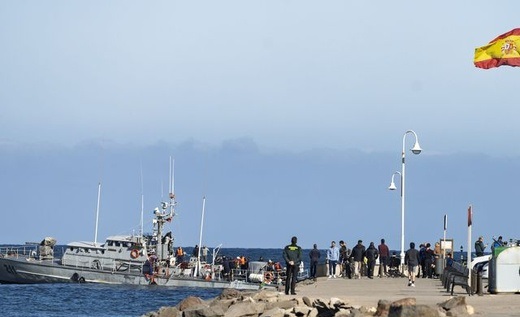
[{"x": 416, "y": 149}]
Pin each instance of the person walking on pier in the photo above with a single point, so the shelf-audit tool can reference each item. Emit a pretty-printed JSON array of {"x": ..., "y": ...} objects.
[
  {"x": 411, "y": 259},
  {"x": 292, "y": 255}
]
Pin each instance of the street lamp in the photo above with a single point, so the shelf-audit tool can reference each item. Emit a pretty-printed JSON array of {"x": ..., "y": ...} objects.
[{"x": 416, "y": 149}]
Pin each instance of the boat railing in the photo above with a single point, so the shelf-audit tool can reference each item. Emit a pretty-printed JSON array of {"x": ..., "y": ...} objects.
[{"x": 18, "y": 251}]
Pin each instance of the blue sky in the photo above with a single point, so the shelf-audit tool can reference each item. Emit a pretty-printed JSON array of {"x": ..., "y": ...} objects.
[{"x": 302, "y": 105}]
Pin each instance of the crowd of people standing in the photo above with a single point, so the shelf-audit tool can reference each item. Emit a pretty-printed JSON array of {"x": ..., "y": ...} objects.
[{"x": 360, "y": 261}]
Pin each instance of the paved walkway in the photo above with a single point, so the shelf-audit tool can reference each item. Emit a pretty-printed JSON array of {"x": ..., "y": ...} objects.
[{"x": 367, "y": 292}]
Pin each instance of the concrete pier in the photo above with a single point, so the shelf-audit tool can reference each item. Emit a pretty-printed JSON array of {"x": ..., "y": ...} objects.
[{"x": 367, "y": 292}]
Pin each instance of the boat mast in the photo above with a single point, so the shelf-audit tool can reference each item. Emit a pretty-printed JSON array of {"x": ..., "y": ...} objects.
[
  {"x": 142, "y": 203},
  {"x": 97, "y": 213},
  {"x": 200, "y": 235},
  {"x": 172, "y": 184},
  {"x": 172, "y": 188}
]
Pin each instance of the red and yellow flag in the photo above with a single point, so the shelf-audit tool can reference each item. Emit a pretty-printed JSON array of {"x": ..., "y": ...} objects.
[{"x": 503, "y": 50}]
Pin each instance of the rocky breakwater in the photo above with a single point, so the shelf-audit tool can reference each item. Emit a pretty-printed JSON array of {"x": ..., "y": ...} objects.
[{"x": 233, "y": 303}]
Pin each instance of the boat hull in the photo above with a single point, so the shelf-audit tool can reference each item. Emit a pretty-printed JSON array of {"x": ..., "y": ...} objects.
[{"x": 25, "y": 270}]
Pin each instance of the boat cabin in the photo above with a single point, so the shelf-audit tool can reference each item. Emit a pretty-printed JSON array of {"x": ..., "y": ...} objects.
[{"x": 118, "y": 253}]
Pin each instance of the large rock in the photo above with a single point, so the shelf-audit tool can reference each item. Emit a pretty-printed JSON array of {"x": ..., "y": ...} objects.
[
  {"x": 283, "y": 304},
  {"x": 245, "y": 309},
  {"x": 301, "y": 310},
  {"x": 313, "y": 313},
  {"x": 408, "y": 301},
  {"x": 407, "y": 307},
  {"x": 190, "y": 302},
  {"x": 383, "y": 307},
  {"x": 307, "y": 301},
  {"x": 273, "y": 312},
  {"x": 164, "y": 312},
  {"x": 225, "y": 303},
  {"x": 456, "y": 306},
  {"x": 265, "y": 296},
  {"x": 453, "y": 302},
  {"x": 229, "y": 293},
  {"x": 343, "y": 313},
  {"x": 413, "y": 311},
  {"x": 204, "y": 311}
]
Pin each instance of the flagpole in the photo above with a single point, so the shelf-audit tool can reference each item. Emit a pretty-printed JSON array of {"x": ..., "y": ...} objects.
[
  {"x": 444, "y": 241},
  {"x": 468, "y": 252}
]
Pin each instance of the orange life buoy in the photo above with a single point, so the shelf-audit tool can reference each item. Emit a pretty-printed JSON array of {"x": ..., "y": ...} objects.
[
  {"x": 134, "y": 254},
  {"x": 268, "y": 277}
]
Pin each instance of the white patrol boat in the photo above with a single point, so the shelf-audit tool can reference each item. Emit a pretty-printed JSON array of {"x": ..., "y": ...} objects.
[
  {"x": 120, "y": 260},
  {"x": 132, "y": 259}
]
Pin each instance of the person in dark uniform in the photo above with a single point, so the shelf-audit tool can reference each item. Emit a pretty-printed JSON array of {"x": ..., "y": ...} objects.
[
  {"x": 358, "y": 252},
  {"x": 371, "y": 254},
  {"x": 314, "y": 256},
  {"x": 292, "y": 255},
  {"x": 429, "y": 261},
  {"x": 226, "y": 268}
]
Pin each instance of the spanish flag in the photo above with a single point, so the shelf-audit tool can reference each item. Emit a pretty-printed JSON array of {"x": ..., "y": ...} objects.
[{"x": 503, "y": 50}]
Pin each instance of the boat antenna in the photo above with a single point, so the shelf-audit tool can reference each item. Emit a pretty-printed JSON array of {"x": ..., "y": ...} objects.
[
  {"x": 172, "y": 187},
  {"x": 101, "y": 160},
  {"x": 97, "y": 213},
  {"x": 172, "y": 178},
  {"x": 141, "y": 224}
]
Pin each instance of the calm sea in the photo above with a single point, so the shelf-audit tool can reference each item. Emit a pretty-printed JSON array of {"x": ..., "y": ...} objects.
[{"x": 56, "y": 300}]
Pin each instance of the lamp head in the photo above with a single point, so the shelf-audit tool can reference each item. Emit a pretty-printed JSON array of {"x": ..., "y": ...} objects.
[
  {"x": 416, "y": 148},
  {"x": 392, "y": 186}
]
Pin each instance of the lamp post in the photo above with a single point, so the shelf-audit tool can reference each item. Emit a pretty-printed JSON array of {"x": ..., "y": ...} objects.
[{"x": 416, "y": 149}]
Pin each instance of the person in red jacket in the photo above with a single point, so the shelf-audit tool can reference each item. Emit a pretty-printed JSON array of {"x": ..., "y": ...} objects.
[{"x": 384, "y": 255}]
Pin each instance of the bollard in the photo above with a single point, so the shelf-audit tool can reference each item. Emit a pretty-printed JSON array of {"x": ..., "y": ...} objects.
[
  {"x": 480, "y": 290},
  {"x": 474, "y": 285}
]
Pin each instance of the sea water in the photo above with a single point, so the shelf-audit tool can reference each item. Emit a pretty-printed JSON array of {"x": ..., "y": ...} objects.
[{"x": 56, "y": 300}]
